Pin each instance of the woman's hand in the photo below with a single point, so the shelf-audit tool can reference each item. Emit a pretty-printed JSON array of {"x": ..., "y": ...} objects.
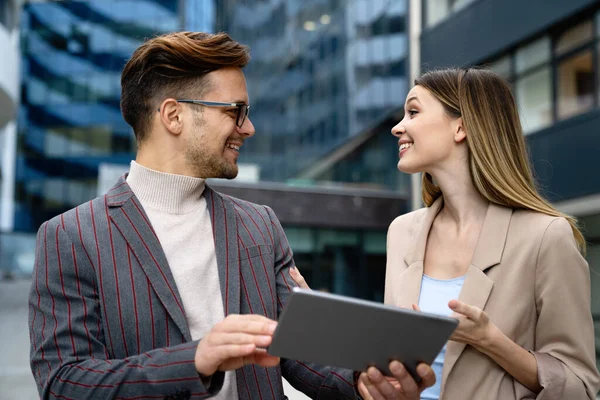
[
  {"x": 474, "y": 325},
  {"x": 298, "y": 278},
  {"x": 373, "y": 385}
]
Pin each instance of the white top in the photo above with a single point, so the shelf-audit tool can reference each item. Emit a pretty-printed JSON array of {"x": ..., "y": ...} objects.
[
  {"x": 434, "y": 298},
  {"x": 179, "y": 215}
]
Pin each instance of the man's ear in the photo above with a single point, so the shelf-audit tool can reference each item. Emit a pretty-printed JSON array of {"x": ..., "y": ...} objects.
[
  {"x": 460, "y": 134},
  {"x": 170, "y": 115}
]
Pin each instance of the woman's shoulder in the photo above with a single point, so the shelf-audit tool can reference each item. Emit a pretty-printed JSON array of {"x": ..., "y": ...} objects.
[
  {"x": 538, "y": 222},
  {"x": 406, "y": 222}
]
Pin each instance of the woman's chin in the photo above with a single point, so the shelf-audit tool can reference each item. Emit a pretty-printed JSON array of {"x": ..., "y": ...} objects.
[{"x": 407, "y": 168}]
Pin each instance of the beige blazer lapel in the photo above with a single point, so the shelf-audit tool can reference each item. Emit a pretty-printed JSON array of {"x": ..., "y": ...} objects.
[
  {"x": 407, "y": 288},
  {"x": 478, "y": 286}
]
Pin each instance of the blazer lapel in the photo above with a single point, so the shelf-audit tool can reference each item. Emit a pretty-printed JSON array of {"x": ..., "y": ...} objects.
[
  {"x": 224, "y": 224},
  {"x": 478, "y": 286},
  {"x": 409, "y": 283},
  {"x": 131, "y": 221}
]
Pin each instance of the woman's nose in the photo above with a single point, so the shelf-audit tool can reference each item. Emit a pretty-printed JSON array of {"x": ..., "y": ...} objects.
[{"x": 398, "y": 129}]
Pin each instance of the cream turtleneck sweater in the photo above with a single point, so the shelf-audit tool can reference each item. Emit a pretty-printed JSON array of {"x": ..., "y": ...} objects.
[{"x": 179, "y": 215}]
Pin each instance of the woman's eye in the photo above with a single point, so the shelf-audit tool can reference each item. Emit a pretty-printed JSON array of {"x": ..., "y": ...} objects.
[{"x": 412, "y": 112}]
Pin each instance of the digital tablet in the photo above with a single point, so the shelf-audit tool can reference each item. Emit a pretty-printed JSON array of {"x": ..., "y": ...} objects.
[{"x": 344, "y": 332}]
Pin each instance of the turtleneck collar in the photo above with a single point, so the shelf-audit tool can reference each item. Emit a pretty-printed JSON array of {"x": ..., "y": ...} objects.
[{"x": 171, "y": 193}]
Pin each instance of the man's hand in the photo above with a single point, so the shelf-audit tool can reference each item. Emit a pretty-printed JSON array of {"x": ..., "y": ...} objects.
[
  {"x": 234, "y": 342},
  {"x": 372, "y": 385}
]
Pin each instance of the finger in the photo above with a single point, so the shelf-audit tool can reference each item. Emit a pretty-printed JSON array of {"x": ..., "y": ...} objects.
[
  {"x": 264, "y": 359},
  {"x": 371, "y": 388},
  {"x": 233, "y": 351},
  {"x": 427, "y": 376},
  {"x": 408, "y": 384},
  {"x": 298, "y": 278},
  {"x": 383, "y": 386},
  {"x": 226, "y": 338},
  {"x": 363, "y": 391},
  {"x": 416, "y": 308},
  {"x": 462, "y": 308},
  {"x": 252, "y": 324}
]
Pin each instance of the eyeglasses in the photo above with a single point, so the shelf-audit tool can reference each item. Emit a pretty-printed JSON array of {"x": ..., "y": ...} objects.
[{"x": 243, "y": 109}]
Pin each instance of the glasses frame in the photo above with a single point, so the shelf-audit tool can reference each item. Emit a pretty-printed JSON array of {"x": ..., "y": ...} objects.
[{"x": 243, "y": 109}]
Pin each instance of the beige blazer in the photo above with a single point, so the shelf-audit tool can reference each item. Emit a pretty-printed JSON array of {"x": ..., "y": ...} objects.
[{"x": 528, "y": 276}]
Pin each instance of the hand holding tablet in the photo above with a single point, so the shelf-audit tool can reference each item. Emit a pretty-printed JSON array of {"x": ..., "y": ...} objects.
[{"x": 344, "y": 332}]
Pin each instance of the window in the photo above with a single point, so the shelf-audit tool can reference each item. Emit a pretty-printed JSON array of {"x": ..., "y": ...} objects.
[
  {"x": 438, "y": 10},
  {"x": 534, "y": 97},
  {"x": 575, "y": 87},
  {"x": 554, "y": 77}
]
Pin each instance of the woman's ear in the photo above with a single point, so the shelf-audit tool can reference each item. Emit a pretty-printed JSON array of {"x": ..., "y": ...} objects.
[{"x": 459, "y": 131}]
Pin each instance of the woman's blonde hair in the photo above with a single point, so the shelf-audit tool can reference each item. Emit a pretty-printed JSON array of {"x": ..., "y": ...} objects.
[{"x": 498, "y": 159}]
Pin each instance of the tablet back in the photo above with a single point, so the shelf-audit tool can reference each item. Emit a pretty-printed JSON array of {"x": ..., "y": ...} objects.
[{"x": 344, "y": 332}]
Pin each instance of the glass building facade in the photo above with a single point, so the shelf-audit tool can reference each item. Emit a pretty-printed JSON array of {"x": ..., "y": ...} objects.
[
  {"x": 322, "y": 72},
  {"x": 70, "y": 124}
]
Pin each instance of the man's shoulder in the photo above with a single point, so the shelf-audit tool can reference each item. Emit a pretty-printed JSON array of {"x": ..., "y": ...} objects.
[
  {"x": 77, "y": 216},
  {"x": 245, "y": 205}
]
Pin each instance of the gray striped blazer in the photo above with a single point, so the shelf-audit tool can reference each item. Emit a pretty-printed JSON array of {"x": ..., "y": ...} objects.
[{"x": 106, "y": 320}]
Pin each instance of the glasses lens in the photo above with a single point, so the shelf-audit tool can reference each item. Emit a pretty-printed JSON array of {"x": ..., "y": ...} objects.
[{"x": 242, "y": 114}]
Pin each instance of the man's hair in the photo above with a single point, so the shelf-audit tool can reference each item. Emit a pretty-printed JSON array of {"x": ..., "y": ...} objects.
[{"x": 173, "y": 65}]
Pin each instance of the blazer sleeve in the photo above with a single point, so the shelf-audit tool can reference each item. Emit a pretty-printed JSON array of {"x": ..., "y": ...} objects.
[
  {"x": 564, "y": 345},
  {"x": 316, "y": 381},
  {"x": 69, "y": 358}
]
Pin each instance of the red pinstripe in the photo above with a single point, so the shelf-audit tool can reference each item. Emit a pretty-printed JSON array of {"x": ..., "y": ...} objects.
[
  {"x": 256, "y": 283},
  {"x": 264, "y": 222},
  {"x": 62, "y": 286},
  {"x": 251, "y": 312},
  {"x": 93, "y": 283},
  {"x": 53, "y": 301},
  {"x": 310, "y": 369},
  {"x": 226, "y": 261},
  {"x": 87, "y": 332},
  {"x": 167, "y": 329},
  {"x": 250, "y": 216},
  {"x": 59, "y": 396},
  {"x": 135, "y": 308},
  {"x": 110, "y": 386},
  {"x": 112, "y": 371},
  {"x": 151, "y": 255},
  {"x": 342, "y": 378},
  {"x": 38, "y": 293},
  {"x": 151, "y": 312},
  {"x": 154, "y": 397},
  {"x": 118, "y": 194},
  {"x": 263, "y": 264},
  {"x": 245, "y": 382},
  {"x": 117, "y": 286},
  {"x": 35, "y": 314},
  {"x": 100, "y": 280},
  {"x": 285, "y": 280}
]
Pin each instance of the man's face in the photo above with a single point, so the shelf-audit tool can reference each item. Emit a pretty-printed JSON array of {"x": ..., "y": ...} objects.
[{"x": 213, "y": 140}]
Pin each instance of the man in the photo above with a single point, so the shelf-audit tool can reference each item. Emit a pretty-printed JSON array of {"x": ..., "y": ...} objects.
[{"x": 164, "y": 288}]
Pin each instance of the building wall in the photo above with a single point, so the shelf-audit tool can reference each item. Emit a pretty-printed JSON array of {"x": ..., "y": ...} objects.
[
  {"x": 9, "y": 98},
  {"x": 484, "y": 28},
  {"x": 321, "y": 73},
  {"x": 70, "y": 121}
]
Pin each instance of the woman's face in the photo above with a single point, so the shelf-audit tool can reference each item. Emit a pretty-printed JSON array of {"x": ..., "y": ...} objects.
[{"x": 428, "y": 136}]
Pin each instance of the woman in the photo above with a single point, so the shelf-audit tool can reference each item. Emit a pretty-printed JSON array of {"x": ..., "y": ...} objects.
[{"x": 487, "y": 249}]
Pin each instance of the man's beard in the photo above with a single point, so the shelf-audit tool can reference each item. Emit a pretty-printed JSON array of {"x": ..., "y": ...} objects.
[
  {"x": 199, "y": 157},
  {"x": 204, "y": 164}
]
